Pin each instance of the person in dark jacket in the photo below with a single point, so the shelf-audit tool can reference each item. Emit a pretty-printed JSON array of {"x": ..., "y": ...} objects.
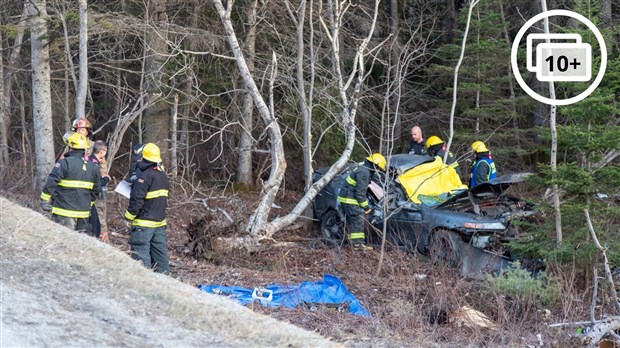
[
  {"x": 135, "y": 157},
  {"x": 483, "y": 169},
  {"x": 437, "y": 148},
  {"x": 98, "y": 212},
  {"x": 354, "y": 201},
  {"x": 416, "y": 144},
  {"x": 72, "y": 187},
  {"x": 147, "y": 212}
]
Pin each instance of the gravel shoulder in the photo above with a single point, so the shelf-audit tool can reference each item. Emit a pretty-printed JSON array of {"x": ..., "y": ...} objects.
[{"x": 60, "y": 288}]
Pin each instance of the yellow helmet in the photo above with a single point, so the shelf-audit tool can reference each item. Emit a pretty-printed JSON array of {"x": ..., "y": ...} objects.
[
  {"x": 76, "y": 141},
  {"x": 433, "y": 140},
  {"x": 478, "y": 146},
  {"x": 150, "y": 152},
  {"x": 377, "y": 159}
]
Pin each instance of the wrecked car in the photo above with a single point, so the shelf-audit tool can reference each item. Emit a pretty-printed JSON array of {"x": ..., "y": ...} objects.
[{"x": 425, "y": 207}]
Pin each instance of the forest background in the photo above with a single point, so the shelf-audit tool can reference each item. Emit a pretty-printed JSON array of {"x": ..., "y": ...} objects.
[{"x": 253, "y": 95}]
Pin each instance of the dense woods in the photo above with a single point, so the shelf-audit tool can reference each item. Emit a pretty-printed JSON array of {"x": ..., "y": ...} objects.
[{"x": 256, "y": 94}]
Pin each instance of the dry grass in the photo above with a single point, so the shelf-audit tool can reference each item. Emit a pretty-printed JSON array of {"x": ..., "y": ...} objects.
[{"x": 33, "y": 238}]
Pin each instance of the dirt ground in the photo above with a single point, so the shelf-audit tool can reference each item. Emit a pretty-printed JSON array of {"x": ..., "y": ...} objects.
[{"x": 59, "y": 288}]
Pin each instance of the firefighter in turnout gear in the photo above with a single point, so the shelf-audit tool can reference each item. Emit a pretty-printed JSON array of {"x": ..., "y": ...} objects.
[
  {"x": 437, "y": 148},
  {"x": 72, "y": 187},
  {"x": 355, "y": 202},
  {"x": 147, "y": 212},
  {"x": 483, "y": 169}
]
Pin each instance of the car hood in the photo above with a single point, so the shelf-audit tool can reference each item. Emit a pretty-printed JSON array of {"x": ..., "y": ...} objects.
[{"x": 497, "y": 185}]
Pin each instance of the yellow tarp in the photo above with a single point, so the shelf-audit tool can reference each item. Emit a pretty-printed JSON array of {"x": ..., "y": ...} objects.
[{"x": 431, "y": 179}]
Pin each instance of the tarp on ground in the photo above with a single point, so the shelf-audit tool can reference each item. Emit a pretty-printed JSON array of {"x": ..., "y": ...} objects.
[
  {"x": 330, "y": 292},
  {"x": 430, "y": 179}
]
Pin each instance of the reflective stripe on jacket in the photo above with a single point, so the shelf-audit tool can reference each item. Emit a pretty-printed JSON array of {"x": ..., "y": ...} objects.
[
  {"x": 482, "y": 170},
  {"x": 72, "y": 186},
  {"x": 149, "y": 197},
  {"x": 355, "y": 187}
]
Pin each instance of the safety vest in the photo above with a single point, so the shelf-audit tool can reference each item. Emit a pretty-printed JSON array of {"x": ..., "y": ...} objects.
[{"x": 492, "y": 173}]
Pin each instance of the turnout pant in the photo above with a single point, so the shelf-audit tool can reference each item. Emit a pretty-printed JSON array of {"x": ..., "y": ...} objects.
[
  {"x": 80, "y": 225},
  {"x": 150, "y": 245},
  {"x": 355, "y": 224}
]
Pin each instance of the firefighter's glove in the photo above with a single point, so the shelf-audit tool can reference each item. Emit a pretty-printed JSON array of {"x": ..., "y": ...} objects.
[
  {"x": 46, "y": 206},
  {"x": 368, "y": 211}
]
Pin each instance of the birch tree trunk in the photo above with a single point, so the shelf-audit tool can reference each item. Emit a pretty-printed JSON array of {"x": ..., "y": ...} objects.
[
  {"x": 41, "y": 95},
  {"x": 554, "y": 146},
  {"x": 304, "y": 100},
  {"x": 472, "y": 4},
  {"x": 395, "y": 53},
  {"x": 173, "y": 137},
  {"x": 156, "y": 116},
  {"x": 244, "y": 169},
  {"x": 80, "y": 101}
]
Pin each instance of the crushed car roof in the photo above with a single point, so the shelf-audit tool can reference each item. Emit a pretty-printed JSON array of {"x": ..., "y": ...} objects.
[{"x": 403, "y": 162}]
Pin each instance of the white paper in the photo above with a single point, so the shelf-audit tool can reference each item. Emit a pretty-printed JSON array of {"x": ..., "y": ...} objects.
[{"x": 123, "y": 188}]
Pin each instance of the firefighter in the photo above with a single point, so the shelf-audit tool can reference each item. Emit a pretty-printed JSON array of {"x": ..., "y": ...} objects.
[
  {"x": 437, "y": 148},
  {"x": 483, "y": 168},
  {"x": 147, "y": 212},
  {"x": 354, "y": 202},
  {"x": 72, "y": 186},
  {"x": 416, "y": 144}
]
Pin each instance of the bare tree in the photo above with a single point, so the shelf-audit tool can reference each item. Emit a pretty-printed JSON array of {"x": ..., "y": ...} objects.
[
  {"x": 244, "y": 169},
  {"x": 258, "y": 226},
  {"x": 472, "y": 4},
  {"x": 156, "y": 116},
  {"x": 4, "y": 139},
  {"x": 554, "y": 146},
  {"x": 123, "y": 122},
  {"x": 174, "y": 115},
  {"x": 41, "y": 95},
  {"x": 80, "y": 101},
  {"x": 7, "y": 72},
  {"x": 304, "y": 98}
]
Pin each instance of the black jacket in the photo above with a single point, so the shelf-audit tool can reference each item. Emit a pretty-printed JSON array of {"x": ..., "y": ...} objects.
[
  {"x": 355, "y": 187},
  {"x": 149, "y": 197},
  {"x": 72, "y": 186},
  {"x": 417, "y": 148},
  {"x": 439, "y": 151}
]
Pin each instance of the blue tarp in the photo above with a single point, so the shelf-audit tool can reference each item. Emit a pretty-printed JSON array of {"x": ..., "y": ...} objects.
[{"x": 330, "y": 292}]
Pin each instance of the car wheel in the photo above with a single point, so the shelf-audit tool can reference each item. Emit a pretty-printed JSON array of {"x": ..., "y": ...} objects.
[
  {"x": 332, "y": 228},
  {"x": 445, "y": 246}
]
